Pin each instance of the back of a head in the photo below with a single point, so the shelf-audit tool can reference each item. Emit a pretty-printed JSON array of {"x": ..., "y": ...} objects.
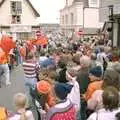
[
  {"x": 29, "y": 56},
  {"x": 62, "y": 90},
  {"x": 111, "y": 98},
  {"x": 76, "y": 59},
  {"x": 62, "y": 63},
  {"x": 116, "y": 67},
  {"x": 47, "y": 73},
  {"x": 93, "y": 56},
  {"x": 85, "y": 61},
  {"x": 42, "y": 53},
  {"x": 111, "y": 78},
  {"x": 20, "y": 101}
]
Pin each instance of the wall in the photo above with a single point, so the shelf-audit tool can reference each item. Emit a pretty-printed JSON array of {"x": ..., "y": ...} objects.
[
  {"x": 5, "y": 13},
  {"x": 115, "y": 34},
  {"x": 70, "y": 2},
  {"x": 94, "y": 3},
  {"x": 28, "y": 17},
  {"x": 104, "y": 10},
  {"x": 77, "y": 10},
  {"x": 89, "y": 15},
  {"x": 91, "y": 18}
]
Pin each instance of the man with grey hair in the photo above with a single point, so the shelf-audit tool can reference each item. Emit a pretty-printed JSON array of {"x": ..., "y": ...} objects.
[{"x": 83, "y": 81}]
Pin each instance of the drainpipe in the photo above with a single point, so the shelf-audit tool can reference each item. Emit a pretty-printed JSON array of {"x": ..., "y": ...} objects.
[
  {"x": 111, "y": 19},
  {"x": 83, "y": 20}
]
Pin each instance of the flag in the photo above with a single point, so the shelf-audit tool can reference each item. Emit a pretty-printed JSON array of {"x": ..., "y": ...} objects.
[
  {"x": 7, "y": 44},
  {"x": 41, "y": 41}
]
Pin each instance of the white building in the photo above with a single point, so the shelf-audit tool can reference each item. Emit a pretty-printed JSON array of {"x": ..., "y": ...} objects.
[
  {"x": 110, "y": 15},
  {"x": 18, "y": 17},
  {"x": 80, "y": 15}
]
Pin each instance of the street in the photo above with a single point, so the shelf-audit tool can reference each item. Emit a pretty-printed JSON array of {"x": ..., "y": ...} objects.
[{"x": 7, "y": 93}]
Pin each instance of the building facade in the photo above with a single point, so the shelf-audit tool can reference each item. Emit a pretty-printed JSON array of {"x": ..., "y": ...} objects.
[
  {"x": 80, "y": 15},
  {"x": 18, "y": 18},
  {"x": 110, "y": 15}
]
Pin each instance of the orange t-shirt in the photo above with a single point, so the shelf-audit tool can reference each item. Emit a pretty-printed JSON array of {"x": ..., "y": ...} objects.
[
  {"x": 92, "y": 87},
  {"x": 3, "y": 57}
]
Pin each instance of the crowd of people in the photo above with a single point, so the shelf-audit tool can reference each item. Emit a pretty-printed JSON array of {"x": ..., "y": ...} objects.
[{"x": 75, "y": 80}]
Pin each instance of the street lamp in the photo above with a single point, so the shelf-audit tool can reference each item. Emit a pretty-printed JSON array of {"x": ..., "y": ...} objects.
[
  {"x": 110, "y": 12},
  {"x": 111, "y": 21}
]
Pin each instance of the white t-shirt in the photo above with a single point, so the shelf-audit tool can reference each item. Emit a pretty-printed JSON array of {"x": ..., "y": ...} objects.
[
  {"x": 74, "y": 95},
  {"x": 28, "y": 114},
  {"x": 102, "y": 114},
  {"x": 100, "y": 57}
]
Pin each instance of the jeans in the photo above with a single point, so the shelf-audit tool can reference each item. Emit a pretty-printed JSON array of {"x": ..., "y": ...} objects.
[
  {"x": 30, "y": 84},
  {"x": 5, "y": 73}
]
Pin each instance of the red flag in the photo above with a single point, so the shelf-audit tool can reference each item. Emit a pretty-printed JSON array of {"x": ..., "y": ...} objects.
[
  {"x": 41, "y": 41},
  {"x": 7, "y": 44},
  {"x": 29, "y": 44}
]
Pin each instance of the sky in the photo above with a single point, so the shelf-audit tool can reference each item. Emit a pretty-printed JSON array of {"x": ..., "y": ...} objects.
[{"x": 48, "y": 9}]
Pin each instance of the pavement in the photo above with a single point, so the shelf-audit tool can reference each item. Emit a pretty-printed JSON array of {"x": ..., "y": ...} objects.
[{"x": 17, "y": 85}]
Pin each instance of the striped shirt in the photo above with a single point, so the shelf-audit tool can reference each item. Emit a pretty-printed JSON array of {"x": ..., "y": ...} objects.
[{"x": 30, "y": 68}]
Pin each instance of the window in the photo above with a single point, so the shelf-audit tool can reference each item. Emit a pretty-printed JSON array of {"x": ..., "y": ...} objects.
[
  {"x": 24, "y": 36},
  {"x": 16, "y": 19},
  {"x": 93, "y": 3},
  {"x": 16, "y": 7}
]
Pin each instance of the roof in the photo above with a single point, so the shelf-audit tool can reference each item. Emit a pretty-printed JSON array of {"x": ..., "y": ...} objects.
[{"x": 35, "y": 11}]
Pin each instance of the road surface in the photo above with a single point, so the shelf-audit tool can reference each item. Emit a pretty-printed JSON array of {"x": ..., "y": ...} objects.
[{"x": 7, "y": 93}]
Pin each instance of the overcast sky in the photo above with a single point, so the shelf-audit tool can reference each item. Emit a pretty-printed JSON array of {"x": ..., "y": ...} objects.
[{"x": 48, "y": 9}]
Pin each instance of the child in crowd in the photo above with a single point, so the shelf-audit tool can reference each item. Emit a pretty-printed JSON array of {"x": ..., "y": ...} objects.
[
  {"x": 95, "y": 82},
  {"x": 20, "y": 102}
]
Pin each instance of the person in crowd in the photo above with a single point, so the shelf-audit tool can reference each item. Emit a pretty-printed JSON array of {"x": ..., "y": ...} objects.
[
  {"x": 74, "y": 95},
  {"x": 93, "y": 60},
  {"x": 50, "y": 62},
  {"x": 42, "y": 58},
  {"x": 111, "y": 107},
  {"x": 111, "y": 78},
  {"x": 20, "y": 102},
  {"x": 30, "y": 68},
  {"x": 76, "y": 60},
  {"x": 63, "y": 109},
  {"x": 22, "y": 52},
  {"x": 44, "y": 89},
  {"x": 102, "y": 57},
  {"x": 83, "y": 80},
  {"x": 4, "y": 68},
  {"x": 95, "y": 82},
  {"x": 82, "y": 77},
  {"x": 3, "y": 113},
  {"x": 61, "y": 77}
]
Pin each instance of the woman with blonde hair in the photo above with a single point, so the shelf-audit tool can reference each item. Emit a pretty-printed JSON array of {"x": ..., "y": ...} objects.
[{"x": 20, "y": 102}]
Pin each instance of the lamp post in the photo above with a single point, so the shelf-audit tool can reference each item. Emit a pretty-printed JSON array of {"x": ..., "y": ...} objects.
[{"x": 111, "y": 21}]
